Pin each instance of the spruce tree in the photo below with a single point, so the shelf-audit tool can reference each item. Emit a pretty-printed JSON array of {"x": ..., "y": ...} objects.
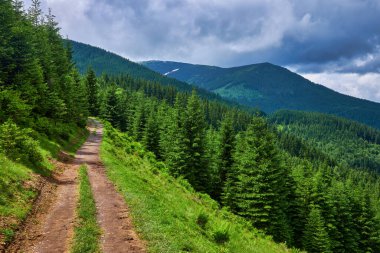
[
  {"x": 109, "y": 107},
  {"x": 257, "y": 188},
  {"x": 172, "y": 137},
  {"x": 151, "y": 138},
  {"x": 315, "y": 239},
  {"x": 195, "y": 170},
  {"x": 225, "y": 152},
  {"x": 92, "y": 92}
]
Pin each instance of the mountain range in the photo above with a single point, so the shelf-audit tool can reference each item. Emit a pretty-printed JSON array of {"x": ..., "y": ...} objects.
[
  {"x": 264, "y": 86},
  {"x": 270, "y": 88}
]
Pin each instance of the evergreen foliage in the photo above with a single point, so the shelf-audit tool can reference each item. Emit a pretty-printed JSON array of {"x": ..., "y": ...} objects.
[
  {"x": 297, "y": 181},
  {"x": 271, "y": 178},
  {"x": 315, "y": 237}
]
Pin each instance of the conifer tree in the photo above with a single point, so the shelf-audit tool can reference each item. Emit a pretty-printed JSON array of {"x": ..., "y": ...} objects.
[
  {"x": 92, "y": 92},
  {"x": 109, "y": 106},
  {"x": 225, "y": 152},
  {"x": 195, "y": 170},
  {"x": 139, "y": 118},
  {"x": 172, "y": 137},
  {"x": 212, "y": 155},
  {"x": 315, "y": 239},
  {"x": 257, "y": 190},
  {"x": 151, "y": 138}
]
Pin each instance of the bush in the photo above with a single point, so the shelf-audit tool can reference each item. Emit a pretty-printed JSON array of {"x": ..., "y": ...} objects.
[
  {"x": 17, "y": 144},
  {"x": 221, "y": 236},
  {"x": 202, "y": 220}
]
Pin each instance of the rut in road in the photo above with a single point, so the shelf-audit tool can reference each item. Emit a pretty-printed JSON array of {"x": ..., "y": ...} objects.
[{"x": 50, "y": 227}]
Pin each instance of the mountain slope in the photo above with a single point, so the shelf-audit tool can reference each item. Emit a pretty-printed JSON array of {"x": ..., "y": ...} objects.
[
  {"x": 348, "y": 142},
  {"x": 271, "y": 88},
  {"x": 102, "y": 61}
]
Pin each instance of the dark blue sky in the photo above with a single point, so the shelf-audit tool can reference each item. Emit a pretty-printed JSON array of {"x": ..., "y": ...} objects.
[{"x": 332, "y": 42}]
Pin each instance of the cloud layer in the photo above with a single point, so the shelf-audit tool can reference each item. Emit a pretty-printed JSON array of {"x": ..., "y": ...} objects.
[{"x": 315, "y": 36}]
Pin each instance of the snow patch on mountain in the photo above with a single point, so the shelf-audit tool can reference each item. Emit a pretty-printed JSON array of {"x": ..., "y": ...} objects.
[{"x": 170, "y": 72}]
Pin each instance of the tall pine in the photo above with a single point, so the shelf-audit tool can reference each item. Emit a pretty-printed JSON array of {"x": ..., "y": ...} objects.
[{"x": 196, "y": 170}]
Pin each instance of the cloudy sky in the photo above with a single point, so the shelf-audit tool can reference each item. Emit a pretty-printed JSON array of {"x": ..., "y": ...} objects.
[{"x": 332, "y": 42}]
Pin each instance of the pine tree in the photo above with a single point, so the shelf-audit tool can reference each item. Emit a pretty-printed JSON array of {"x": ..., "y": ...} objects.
[
  {"x": 196, "y": 171},
  {"x": 225, "y": 152},
  {"x": 212, "y": 155},
  {"x": 315, "y": 239},
  {"x": 257, "y": 190},
  {"x": 172, "y": 137},
  {"x": 35, "y": 12},
  {"x": 368, "y": 225},
  {"x": 92, "y": 92},
  {"x": 139, "y": 118},
  {"x": 151, "y": 138},
  {"x": 109, "y": 107}
]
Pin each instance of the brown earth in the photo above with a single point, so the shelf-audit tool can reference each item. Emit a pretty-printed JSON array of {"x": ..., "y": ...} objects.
[
  {"x": 49, "y": 228},
  {"x": 50, "y": 225}
]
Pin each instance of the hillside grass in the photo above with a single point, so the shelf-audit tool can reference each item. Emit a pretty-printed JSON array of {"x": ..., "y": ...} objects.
[
  {"x": 87, "y": 232},
  {"x": 18, "y": 178},
  {"x": 167, "y": 213}
]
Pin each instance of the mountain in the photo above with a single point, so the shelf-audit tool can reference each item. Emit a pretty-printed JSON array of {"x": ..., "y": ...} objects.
[
  {"x": 270, "y": 88},
  {"x": 102, "y": 61}
]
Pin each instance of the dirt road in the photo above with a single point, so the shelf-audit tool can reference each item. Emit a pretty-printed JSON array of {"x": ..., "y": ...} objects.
[{"x": 50, "y": 226}]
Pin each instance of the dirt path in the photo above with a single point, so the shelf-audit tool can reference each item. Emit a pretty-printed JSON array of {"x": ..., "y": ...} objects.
[
  {"x": 118, "y": 233},
  {"x": 49, "y": 228}
]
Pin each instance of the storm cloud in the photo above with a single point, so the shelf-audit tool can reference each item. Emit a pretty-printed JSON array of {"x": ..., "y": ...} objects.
[{"x": 339, "y": 37}]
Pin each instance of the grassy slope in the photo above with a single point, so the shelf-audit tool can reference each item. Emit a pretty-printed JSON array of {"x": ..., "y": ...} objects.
[
  {"x": 87, "y": 232},
  {"x": 165, "y": 210},
  {"x": 16, "y": 187}
]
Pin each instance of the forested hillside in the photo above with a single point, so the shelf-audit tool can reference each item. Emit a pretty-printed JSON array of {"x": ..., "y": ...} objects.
[
  {"x": 271, "y": 88},
  {"x": 296, "y": 193},
  {"x": 349, "y": 142},
  {"x": 104, "y": 62}
]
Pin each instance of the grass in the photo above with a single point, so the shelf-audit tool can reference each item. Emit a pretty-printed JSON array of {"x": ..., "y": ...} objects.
[
  {"x": 87, "y": 232},
  {"x": 16, "y": 179},
  {"x": 167, "y": 213}
]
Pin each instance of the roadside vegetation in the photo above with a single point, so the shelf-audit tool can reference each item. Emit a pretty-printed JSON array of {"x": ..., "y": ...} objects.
[
  {"x": 168, "y": 213},
  {"x": 87, "y": 232}
]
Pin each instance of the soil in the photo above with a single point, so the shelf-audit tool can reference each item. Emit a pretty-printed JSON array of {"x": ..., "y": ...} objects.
[{"x": 50, "y": 226}]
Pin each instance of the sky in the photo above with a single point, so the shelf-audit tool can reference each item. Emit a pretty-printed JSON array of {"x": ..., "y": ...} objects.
[{"x": 335, "y": 43}]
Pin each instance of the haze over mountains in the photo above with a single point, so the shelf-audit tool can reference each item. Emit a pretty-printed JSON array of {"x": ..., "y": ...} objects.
[{"x": 271, "y": 88}]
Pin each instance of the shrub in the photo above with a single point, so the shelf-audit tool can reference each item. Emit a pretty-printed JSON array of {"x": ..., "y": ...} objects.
[
  {"x": 221, "y": 236},
  {"x": 202, "y": 220},
  {"x": 17, "y": 143}
]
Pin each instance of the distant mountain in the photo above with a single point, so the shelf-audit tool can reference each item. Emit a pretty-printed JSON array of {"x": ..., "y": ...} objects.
[
  {"x": 270, "y": 88},
  {"x": 102, "y": 61}
]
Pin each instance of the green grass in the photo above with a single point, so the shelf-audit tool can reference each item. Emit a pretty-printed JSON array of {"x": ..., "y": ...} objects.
[
  {"x": 16, "y": 191},
  {"x": 167, "y": 213},
  {"x": 87, "y": 232}
]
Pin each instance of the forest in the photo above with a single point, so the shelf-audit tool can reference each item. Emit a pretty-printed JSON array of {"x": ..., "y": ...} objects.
[
  {"x": 286, "y": 186},
  {"x": 282, "y": 184}
]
